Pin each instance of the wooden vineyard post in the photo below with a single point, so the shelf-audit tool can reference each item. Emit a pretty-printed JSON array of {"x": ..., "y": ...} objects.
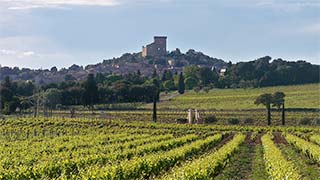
[
  {"x": 283, "y": 115},
  {"x": 155, "y": 98},
  {"x": 154, "y": 115}
]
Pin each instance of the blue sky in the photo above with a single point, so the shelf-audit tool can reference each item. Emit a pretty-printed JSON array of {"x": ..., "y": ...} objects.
[{"x": 46, "y": 33}]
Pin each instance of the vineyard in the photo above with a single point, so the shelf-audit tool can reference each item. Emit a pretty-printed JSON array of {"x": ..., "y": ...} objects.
[
  {"x": 228, "y": 106},
  {"x": 306, "y": 96},
  {"x": 80, "y": 148}
]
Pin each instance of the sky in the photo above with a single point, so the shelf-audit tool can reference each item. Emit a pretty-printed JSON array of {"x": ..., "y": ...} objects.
[{"x": 46, "y": 33}]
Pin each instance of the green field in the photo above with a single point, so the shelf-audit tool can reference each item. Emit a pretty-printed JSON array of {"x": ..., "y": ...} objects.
[
  {"x": 299, "y": 96},
  {"x": 302, "y": 104},
  {"x": 62, "y": 148}
]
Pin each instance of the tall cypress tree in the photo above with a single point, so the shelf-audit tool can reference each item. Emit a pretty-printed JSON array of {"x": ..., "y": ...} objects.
[
  {"x": 90, "y": 96},
  {"x": 6, "y": 95},
  {"x": 181, "y": 85}
]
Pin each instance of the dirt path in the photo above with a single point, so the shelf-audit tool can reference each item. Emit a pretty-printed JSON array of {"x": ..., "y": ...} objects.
[
  {"x": 279, "y": 139},
  {"x": 240, "y": 164},
  {"x": 258, "y": 167},
  {"x": 255, "y": 141}
]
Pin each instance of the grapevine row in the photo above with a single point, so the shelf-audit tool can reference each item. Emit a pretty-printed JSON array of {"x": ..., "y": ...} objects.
[
  {"x": 210, "y": 165},
  {"x": 276, "y": 164},
  {"x": 315, "y": 138},
  {"x": 59, "y": 164},
  {"x": 151, "y": 164},
  {"x": 308, "y": 148}
]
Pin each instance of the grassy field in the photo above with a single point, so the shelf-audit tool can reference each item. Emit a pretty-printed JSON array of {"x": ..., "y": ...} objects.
[
  {"x": 299, "y": 96},
  {"x": 302, "y": 103},
  {"x": 62, "y": 148}
]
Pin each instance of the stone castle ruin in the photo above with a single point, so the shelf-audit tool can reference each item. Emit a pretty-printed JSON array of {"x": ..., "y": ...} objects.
[
  {"x": 156, "y": 49},
  {"x": 194, "y": 116}
]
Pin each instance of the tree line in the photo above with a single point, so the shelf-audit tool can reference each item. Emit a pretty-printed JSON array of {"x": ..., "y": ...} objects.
[
  {"x": 103, "y": 88},
  {"x": 253, "y": 74},
  {"x": 262, "y": 73},
  {"x": 96, "y": 89}
]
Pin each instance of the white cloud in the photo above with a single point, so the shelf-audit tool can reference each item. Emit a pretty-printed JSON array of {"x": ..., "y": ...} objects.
[
  {"x": 61, "y": 4},
  {"x": 283, "y": 5},
  {"x": 30, "y": 59},
  {"x": 28, "y": 53},
  {"x": 33, "y": 52},
  {"x": 32, "y": 4},
  {"x": 41, "y": 52},
  {"x": 7, "y": 52},
  {"x": 15, "y": 53}
]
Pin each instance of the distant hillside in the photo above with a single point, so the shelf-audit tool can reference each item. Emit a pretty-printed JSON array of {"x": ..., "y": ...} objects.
[
  {"x": 297, "y": 96},
  {"x": 127, "y": 63}
]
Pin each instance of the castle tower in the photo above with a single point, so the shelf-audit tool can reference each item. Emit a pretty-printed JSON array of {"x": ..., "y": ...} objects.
[{"x": 157, "y": 48}]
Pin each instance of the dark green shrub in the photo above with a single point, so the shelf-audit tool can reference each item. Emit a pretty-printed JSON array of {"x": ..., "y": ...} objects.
[
  {"x": 196, "y": 89},
  {"x": 206, "y": 89},
  {"x": 10, "y": 107},
  {"x": 248, "y": 121},
  {"x": 181, "y": 120},
  {"x": 210, "y": 119},
  {"x": 190, "y": 82},
  {"x": 233, "y": 121},
  {"x": 305, "y": 121}
]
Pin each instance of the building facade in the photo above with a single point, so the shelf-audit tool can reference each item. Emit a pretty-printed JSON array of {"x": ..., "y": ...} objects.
[{"x": 157, "y": 48}]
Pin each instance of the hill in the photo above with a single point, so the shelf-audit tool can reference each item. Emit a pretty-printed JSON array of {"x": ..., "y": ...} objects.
[
  {"x": 297, "y": 96},
  {"x": 127, "y": 63}
]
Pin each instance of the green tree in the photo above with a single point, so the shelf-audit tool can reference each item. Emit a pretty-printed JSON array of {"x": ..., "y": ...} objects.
[
  {"x": 169, "y": 85},
  {"x": 190, "y": 82},
  {"x": 100, "y": 78},
  {"x": 166, "y": 76},
  {"x": 52, "y": 97},
  {"x": 8, "y": 101},
  {"x": 191, "y": 71},
  {"x": 207, "y": 76},
  {"x": 11, "y": 106},
  {"x": 266, "y": 100},
  {"x": 181, "y": 85},
  {"x": 6, "y": 90},
  {"x": 278, "y": 101},
  {"x": 90, "y": 96}
]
